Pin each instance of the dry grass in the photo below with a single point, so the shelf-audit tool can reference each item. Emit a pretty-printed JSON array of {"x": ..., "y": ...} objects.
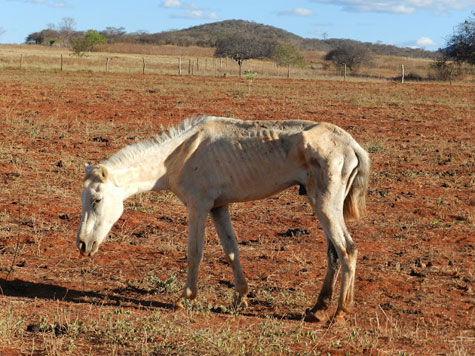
[{"x": 129, "y": 57}]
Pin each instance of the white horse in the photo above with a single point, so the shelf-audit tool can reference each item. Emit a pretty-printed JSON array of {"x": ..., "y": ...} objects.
[{"x": 211, "y": 162}]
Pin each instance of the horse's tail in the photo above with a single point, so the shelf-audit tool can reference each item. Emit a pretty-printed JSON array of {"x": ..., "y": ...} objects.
[{"x": 354, "y": 206}]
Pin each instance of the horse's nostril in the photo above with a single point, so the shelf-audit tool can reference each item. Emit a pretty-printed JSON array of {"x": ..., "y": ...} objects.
[{"x": 82, "y": 246}]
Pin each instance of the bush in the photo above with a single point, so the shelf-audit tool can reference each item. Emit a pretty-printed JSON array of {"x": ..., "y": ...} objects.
[
  {"x": 445, "y": 70},
  {"x": 86, "y": 43}
]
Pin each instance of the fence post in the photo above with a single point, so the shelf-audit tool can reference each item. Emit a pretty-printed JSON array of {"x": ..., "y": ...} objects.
[
  {"x": 402, "y": 73},
  {"x": 61, "y": 62},
  {"x": 179, "y": 65},
  {"x": 197, "y": 64},
  {"x": 143, "y": 65},
  {"x": 288, "y": 71},
  {"x": 344, "y": 75},
  {"x": 21, "y": 60},
  {"x": 107, "y": 65}
]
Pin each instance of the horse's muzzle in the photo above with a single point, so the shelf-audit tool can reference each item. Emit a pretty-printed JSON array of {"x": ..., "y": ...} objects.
[{"x": 87, "y": 252}]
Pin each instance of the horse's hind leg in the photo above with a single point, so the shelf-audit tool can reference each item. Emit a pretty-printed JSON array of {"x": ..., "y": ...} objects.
[
  {"x": 224, "y": 229},
  {"x": 319, "y": 311},
  {"x": 327, "y": 203}
]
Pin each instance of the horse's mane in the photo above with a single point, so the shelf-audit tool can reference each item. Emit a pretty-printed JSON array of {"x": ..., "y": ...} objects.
[{"x": 132, "y": 152}]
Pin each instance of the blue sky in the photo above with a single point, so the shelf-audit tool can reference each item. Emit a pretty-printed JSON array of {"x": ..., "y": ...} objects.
[{"x": 412, "y": 23}]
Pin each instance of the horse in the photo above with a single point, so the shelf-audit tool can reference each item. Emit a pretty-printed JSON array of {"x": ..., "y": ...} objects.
[{"x": 211, "y": 162}]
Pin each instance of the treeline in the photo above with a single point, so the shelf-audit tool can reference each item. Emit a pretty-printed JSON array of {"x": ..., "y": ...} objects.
[{"x": 210, "y": 35}]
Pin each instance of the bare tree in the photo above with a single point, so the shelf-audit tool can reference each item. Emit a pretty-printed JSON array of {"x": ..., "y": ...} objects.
[
  {"x": 241, "y": 47},
  {"x": 350, "y": 54}
]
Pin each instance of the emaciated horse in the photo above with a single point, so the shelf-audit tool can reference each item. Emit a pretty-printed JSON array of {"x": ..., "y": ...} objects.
[{"x": 211, "y": 162}]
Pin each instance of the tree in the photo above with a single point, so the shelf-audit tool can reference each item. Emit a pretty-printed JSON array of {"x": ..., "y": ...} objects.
[
  {"x": 286, "y": 55},
  {"x": 461, "y": 46},
  {"x": 113, "y": 33},
  {"x": 67, "y": 25},
  {"x": 87, "y": 42},
  {"x": 241, "y": 47},
  {"x": 349, "y": 53}
]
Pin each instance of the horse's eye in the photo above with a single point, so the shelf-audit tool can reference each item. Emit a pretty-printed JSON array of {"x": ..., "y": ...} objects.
[{"x": 96, "y": 201}]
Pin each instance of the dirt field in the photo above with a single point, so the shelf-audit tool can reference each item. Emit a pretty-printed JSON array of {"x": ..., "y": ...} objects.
[{"x": 416, "y": 267}]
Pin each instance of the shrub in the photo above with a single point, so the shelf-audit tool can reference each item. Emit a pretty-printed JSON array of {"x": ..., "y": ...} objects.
[
  {"x": 80, "y": 45},
  {"x": 445, "y": 70}
]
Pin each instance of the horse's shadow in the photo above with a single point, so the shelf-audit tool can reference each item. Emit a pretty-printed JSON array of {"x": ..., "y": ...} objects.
[
  {"x": 34, "y": 290},
  {"x": 26, "y": 289}
]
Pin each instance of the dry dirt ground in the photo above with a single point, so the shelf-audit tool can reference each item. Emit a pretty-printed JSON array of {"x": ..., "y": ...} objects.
[{"x": 416, "y": 267}]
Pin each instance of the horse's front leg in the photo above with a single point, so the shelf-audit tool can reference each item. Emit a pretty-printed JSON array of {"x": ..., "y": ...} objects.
[
  {"x": 196, "y": 234},
  {"x": 224, "y": 229}
]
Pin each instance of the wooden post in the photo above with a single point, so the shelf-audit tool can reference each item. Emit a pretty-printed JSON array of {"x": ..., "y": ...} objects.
[
  {"x": 179, "y": 65},
  {"x": 143, "y": 65},
  {"x": 21, "y": 60},
  {"x": 61, "y": 62},
  {"x": 107, "y": 65},
  {"x": 344, "y": 75},
  {"x": 189, "y": 66},
  {"x": 288, "y": 71},
  {"x": 402, "y": 73},
  {"x": 197, "y": 64}
]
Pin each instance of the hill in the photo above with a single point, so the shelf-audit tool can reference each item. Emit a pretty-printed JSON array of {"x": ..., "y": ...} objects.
[{"x": 208, "y": 34}]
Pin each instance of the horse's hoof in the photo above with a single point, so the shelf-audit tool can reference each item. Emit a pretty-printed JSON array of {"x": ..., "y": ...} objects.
[
  {"x": 179, "y": 304},
  {"x": 338, "y": 319},
  {"x": 319, "y": 316},
  {"x": 240, "y": 302}
]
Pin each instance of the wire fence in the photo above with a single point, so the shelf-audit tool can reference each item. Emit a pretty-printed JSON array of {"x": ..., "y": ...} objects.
[{"x": 206, "y": 66}]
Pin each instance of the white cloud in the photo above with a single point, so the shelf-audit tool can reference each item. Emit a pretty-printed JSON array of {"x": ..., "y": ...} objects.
[
  {"x": 50, "y": 3},
  {"x": 398, "y": 7},
  {"x": 195, "y": 14},
  {"x": 296, "y": 12},
  {"x": 189, "y": 10},
  {"x": 425, "y": 42},
  {"x": 176, "y": 4},
  {"x": 171, "y": 4}
]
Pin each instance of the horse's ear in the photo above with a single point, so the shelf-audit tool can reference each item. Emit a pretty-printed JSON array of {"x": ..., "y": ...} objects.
[
  {"x": 95, "y": 172},
  {"x": 88, "y": 168},
  {"x": 103, "y": 173}
]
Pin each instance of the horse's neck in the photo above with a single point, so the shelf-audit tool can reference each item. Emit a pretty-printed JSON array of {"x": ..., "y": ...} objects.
[{"x": 146, "y": 172}]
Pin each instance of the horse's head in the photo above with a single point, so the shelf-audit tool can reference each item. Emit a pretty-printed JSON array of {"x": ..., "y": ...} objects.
[{"x": 102, "y": 206}]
